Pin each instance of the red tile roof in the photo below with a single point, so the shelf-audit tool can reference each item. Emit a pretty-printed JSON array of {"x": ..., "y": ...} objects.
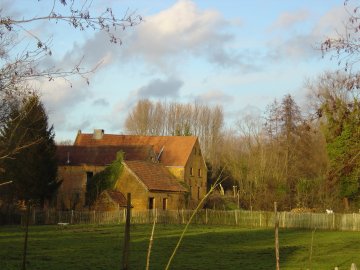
[
  {"x": 155, "y": 176},
  {"x": 176, "y": 149},
  {"x": 117, "y": 197},
  {"x": 100, "y": 155}
]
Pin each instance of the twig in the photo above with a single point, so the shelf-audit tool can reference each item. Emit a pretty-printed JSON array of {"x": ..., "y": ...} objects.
[
  {"x": 150, "y": 245},
  {"x": 217, "y": 182}
]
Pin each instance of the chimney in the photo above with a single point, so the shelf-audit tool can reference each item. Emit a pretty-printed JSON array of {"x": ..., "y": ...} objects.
[{"x": 98, "y": 134}]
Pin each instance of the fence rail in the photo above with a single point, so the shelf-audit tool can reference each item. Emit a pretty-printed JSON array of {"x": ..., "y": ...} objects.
[{"x": 241, "y": 218}]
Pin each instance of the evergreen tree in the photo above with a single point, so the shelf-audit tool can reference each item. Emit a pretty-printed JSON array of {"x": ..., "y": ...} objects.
[{"x": 33, "y": 169}]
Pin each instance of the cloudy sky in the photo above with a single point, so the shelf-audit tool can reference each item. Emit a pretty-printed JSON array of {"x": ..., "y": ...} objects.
[{"x": 238, "y": 54}]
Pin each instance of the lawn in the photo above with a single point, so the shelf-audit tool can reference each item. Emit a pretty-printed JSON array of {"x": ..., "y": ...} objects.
[{"x": 204, "y": 247}]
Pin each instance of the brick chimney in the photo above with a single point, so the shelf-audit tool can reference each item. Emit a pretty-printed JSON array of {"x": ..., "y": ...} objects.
[{"x": 98, "y": 134}]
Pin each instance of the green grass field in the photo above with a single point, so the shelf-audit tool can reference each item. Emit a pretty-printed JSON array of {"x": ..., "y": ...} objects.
[{"x": 204, "y": 247}]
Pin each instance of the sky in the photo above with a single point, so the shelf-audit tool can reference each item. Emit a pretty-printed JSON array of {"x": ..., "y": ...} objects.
[{"x": 238, "y": 54}]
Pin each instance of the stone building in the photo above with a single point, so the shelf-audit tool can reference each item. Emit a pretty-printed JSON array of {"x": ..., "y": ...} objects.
[{"x": 164, "y": 172}]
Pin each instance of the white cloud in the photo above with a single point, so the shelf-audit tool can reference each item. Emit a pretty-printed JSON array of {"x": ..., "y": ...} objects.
[
  {"x": 305, "y": 44},
  {"x": 289, "y": 19},
  {"x": 214, "y": 96},
  {"x": 181, "y": 29},
  {"x": 60, "y": 98},
  {"x": 163, "y": 41}
]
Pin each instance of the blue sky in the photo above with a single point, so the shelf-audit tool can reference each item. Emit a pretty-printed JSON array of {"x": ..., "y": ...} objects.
[{"x": 238, "y": 54}]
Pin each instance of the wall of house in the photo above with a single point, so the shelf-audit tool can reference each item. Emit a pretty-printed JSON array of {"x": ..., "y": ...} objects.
[
  {"x": 177, "y": 171},
  {"x": 105, "y": 203},
  {"x": 140, "y": 195},
  {"x": 196, "y": 180},
  {"x": 174, "y": 200},
  {"x": 71, "y": 193}
]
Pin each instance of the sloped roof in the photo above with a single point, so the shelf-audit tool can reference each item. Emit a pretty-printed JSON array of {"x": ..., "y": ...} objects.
[
  {"x": 155, "y": 176},
  {"x": 100, "y": 155},
  {"x": 117, "y": 197},
  {"x": 176, "y": 149}
]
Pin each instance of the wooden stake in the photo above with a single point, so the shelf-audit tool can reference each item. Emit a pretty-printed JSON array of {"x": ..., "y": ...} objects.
[
  {"x": 276, "y": 237},
  {"x": 126, "y": 251},
  {"x": 150, "y": 245},
  {"x": 26, "y": 234}
]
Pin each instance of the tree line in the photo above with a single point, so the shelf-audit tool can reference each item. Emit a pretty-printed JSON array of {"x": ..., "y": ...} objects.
[{"x": 299, "y": 158}]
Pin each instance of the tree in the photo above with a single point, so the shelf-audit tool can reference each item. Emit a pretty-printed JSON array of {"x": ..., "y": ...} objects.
[
  {"x": 177, "y": 119},
  {"x": 23, "y": 51},
  {"x": 339, "y": 109},
  {"x": 346, "y": 44},
  {"x": 33, "y": 170}
]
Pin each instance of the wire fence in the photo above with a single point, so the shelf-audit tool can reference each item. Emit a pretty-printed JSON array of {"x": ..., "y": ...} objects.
[{"x": 241, "y": 218}]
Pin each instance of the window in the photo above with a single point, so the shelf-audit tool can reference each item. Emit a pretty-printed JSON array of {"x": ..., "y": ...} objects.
[
  {"x": 198, "y": 193},
  {"x": 164, "y": 206},
  {"x": 89, "y": 175},
  {"x": 199, "y": 173},
  {"x": 151, "y": 203},
  {"x": 191, "y": 171}
]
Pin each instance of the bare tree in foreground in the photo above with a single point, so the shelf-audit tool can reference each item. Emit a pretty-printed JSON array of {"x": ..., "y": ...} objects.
[{"x": 24, "y": 51}]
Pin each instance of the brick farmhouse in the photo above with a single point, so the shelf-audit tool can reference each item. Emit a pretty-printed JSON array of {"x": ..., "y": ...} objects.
[{"x": 162, "y": 172}]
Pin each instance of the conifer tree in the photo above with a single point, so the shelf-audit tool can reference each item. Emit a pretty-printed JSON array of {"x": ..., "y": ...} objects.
[{"x": 33, "y": 169}]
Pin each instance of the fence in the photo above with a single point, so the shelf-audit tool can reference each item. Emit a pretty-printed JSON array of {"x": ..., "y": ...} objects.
[{"x": 241, "y": 218}]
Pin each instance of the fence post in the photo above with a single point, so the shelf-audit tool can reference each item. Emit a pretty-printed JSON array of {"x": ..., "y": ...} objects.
[
  {"x": 276, "y": 237},
  {"x": 126, "y": 251},
  {"x": 118, "y": 213},
  {"x": 72, "y": 217},
  {"x": 34, "y": 216},
  {"x": 206, "y": 216}
]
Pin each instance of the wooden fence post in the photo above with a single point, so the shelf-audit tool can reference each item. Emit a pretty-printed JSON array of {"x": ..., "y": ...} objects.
[
  {"x": 126, "y": 251},
  {"x": 206, "y": 216},
  {"x": 236, "y": 221},
  {"x": 34, "y": 216},
  {"x": 276, "y": 237},
  {"x": 72, "y": 217}
]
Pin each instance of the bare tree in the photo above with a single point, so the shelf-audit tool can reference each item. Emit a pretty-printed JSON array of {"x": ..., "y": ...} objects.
[
  {"x": 22, "y": 51},
  {"x": 150, "y": 118}
]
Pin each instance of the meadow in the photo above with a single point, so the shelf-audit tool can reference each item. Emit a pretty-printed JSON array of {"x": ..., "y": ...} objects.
[{"x": 204, "y": 247}]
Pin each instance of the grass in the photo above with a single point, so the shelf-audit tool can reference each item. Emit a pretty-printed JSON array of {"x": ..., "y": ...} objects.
[{"x": 204, "y": 247}]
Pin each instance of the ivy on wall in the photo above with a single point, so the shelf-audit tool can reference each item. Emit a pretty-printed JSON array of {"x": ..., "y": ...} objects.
[{"x": 104, "y": 180}]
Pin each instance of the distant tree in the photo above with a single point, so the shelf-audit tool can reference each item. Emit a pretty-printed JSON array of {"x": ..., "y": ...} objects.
[
  {"x": 177, "y": 119},
  {"x": 339, "y": 110},
  {"x": 33, "y": 169},
  {"x": 65, "y": 142}
]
